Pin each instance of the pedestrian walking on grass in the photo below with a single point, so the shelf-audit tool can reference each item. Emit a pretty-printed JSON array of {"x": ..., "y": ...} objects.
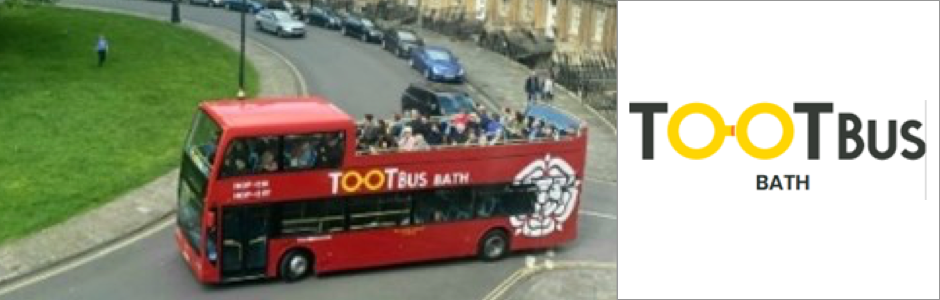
[
  {"x": 102, "y": 49},
  {"x": 533, "y": 87}
]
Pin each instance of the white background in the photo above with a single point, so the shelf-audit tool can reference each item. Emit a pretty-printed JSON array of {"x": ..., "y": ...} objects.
[{"x": 867, "y": 228}]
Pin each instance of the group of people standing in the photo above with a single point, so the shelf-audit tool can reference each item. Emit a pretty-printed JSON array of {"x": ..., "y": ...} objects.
[
  {"x": 539, "y": 87},
  {"x": 415, "y": 132}
]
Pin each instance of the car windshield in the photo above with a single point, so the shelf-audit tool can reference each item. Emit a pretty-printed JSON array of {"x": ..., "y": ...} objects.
[
  {"x": 455, "y": 103},
  {"x": 281, "y": 15},
  {"x": 367, "y": 23},
  {"x": 407, "y": 36},
  {"x": 438, "y": 55}
]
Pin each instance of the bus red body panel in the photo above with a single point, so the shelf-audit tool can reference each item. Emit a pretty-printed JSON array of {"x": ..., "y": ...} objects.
[{"x": 551, "y": 170}]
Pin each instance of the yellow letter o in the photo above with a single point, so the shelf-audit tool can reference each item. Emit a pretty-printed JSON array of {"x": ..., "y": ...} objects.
[
  {"x": 345, "y": 182},
  {"x": 368, "y": 180},
  {"x": 785, "y": 122},
  {"x": 721, "y": 130}
]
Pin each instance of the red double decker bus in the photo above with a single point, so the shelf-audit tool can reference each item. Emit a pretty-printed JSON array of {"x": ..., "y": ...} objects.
[{"x": 277, "y": 188}]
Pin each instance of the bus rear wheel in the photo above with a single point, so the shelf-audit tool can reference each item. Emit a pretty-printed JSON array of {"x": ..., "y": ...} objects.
[
  {"x": 493, "y": 246},
  {"x": 295, "y": 265}
]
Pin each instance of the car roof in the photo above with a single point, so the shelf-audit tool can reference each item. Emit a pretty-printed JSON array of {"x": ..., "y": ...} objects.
[
  {"x": 438, "y": 87},
  {"x": 438, "y": 48}
]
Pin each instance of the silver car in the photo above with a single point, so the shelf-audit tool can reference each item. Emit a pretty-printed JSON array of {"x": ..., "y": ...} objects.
[{"x": 279, "y": 22}]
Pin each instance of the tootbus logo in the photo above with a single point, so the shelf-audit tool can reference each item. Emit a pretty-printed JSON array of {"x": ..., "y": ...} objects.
[{"x": 849, "y": 128}]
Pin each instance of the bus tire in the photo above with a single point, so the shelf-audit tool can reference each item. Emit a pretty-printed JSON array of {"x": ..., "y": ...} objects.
[
  {"x": 494, "y": 245},
  {"x": 295, "y": 265}
]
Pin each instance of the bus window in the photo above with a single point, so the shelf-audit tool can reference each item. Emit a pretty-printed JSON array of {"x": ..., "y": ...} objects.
[
  {"x": 246, "y": 156},
  {"x": 202, "y": 142},
  {"x": 238, "y": 159},
  {"x": 312, "y": 217},
  {"x": 300, "y": 151},
  {"x": 313, "y": 151},
  {"x": 505, "y": 200},
  {"x": 456, "y": 204},
  {"x": 331, "y": 150},
  {"x": 443, "y": 206}
]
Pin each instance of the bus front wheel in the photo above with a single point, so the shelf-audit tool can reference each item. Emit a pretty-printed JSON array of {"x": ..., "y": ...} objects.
[
  {"x": 295, "y": 265},
  {"x": 494, "y": 245}
]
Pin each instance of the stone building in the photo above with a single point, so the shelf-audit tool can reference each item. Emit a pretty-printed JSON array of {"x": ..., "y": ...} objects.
[{"x": 576, "y": 25}]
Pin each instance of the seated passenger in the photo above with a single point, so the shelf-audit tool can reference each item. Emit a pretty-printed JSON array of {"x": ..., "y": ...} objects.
[
  {"x": 370, "y": 132},
  {"x": 236, "y": 160},
  {"x": 493, "y": 130},
  {"x": 420, "y": 144},
  {"x": 268, "y": 163},
  {"x": 459, "y": 135},
  {"x": 407, "y": 140},
  {"x": 434, "y": 136},
  {"x": 331, "y": 152},
  {"x": 302, "y": 156}
]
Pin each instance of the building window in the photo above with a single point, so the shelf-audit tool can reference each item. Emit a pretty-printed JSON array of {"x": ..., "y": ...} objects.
[
  {"x": 574, "y": 18},
  {"x": 599, "y": 20}
]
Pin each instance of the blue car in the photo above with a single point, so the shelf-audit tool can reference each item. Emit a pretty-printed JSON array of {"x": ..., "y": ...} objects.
[
  {"x": 240, "y": 5},
  {"x": 437, "y": 64}
]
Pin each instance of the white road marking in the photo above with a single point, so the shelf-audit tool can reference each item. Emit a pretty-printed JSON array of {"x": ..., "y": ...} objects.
[
  {"x": 598, "y": 214},
  {"x": 601, "y": 181},
  {"x": 86, "y": 258}
]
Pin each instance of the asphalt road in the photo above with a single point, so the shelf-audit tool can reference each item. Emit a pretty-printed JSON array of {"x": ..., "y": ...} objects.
[{"x": 360, "y": 78}]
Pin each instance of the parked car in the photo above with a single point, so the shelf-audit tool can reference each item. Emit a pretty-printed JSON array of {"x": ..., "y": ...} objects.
[
  {"x": 206, "y": 2},
  {"x": 437, "y": 64},
  {"x": 401, "y": 41},
  {"x": 240, "y": 5},
  {"x": 323, "y": 17},
  {"x": 361, "y": 28},
  {"x": 280, "y": 23},
  {"x": 287, "y": 6},
  {"x": 433, "y": 99}
]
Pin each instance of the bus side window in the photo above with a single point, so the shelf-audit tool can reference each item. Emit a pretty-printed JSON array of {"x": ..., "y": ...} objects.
[
  {"x": 426, "y": 208},
  {"x": 237, "y": 159},
  {"x": 300, "y": 151},
  {"x": 331, "y": 149}
]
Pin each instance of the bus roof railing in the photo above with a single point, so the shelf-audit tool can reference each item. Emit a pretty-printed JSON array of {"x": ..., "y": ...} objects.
[{"x": 554, "y": 116}]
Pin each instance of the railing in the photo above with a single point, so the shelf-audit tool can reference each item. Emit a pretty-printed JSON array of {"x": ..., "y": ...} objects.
[{"x": 592, "y": 76}]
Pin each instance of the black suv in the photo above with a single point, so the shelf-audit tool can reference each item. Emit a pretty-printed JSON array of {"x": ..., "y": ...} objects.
[
  {"x": 433, "y": 99},
  {"x": 361, "y": 28},
  {"x": 400, "y": 41}
]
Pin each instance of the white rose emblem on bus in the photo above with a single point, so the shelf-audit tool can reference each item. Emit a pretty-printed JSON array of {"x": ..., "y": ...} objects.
[{"x": 557, "y": 196}]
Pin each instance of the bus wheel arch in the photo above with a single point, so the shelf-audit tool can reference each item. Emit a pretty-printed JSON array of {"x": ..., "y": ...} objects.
[
  {"x": 494, "y": 244},
  {"x": 296, "y": 264}
]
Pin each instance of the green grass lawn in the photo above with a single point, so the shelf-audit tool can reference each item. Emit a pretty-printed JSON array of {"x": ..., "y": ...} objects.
[{"x": 74, "y": 136}]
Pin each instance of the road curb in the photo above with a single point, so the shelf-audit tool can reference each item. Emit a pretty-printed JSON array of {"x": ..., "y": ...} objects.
[
  {"x": 13, "y": 280},
  {"x": 549, "y": 266}
]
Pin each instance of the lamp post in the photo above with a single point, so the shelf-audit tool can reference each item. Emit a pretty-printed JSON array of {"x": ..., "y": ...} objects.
[
  {"x": 175, "y": 11},
  {"x": 241, "y": 60}
]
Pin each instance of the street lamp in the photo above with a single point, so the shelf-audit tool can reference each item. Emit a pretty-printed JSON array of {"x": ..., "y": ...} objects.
[{"x": 241, "y": 61}]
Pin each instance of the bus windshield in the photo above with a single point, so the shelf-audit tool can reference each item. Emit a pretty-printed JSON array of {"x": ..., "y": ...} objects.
[
  {"x": 198, "y": 154},
  {"x": 202, "y": 142}
]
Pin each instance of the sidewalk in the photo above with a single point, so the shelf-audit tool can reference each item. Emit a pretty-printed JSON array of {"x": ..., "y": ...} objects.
[
  {"x": 501, "y": 80},
  {"x": 139, "y": 208}
]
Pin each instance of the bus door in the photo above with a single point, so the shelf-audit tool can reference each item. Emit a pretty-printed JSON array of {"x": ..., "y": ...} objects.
[{"x": 244, "y": 242}]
